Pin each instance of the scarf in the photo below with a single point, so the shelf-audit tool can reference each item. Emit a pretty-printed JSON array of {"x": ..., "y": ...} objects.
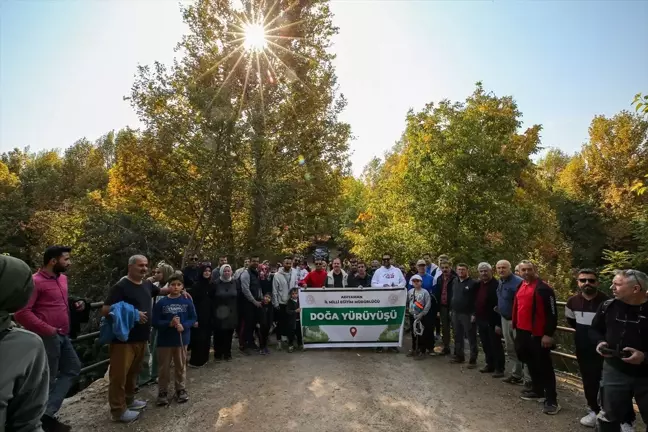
[
  {"x": 16, "y": 286},
  {"x": 222, "y": 271}
]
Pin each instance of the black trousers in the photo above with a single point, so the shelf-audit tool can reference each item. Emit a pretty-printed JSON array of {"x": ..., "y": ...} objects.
[
  {"x": 264, "y": 335},
  {"x": 200, "y": 345},
  {"x": 296, "y": 332},
  {"x": 590, "y": 364},
  {"x": 283, "y": 323},
  {"x": 538, "y": 359},
  {"x": 223, "y": 343},
  {"x": 617, "y": 391},
  {"x": 251, "y": 319},
  {"x": 425, "y": 341},
  {"x": 492, "y": 346}
]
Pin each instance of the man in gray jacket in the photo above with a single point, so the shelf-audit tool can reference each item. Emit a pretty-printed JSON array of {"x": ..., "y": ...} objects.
[
  {"x": 24, "y": 374},
  {"x": 284, "y": 280},
  {"x": 252, "y": 295}
]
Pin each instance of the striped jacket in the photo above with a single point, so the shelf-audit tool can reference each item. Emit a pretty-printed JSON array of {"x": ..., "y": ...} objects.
[{"x": 579, "y": 313}]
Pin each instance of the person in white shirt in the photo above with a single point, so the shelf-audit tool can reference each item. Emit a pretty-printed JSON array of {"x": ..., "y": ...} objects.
[{"x": 387, "y": 275}]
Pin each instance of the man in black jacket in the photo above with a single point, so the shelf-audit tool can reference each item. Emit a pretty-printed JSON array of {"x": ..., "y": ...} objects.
[
  {"x": 361, "y": 278},
  {"x": 488, "y": 319},
  {"x": 252, "y": 295},
  {"x": 463, "y": 316},
  {"x": 619, "y": 330}
]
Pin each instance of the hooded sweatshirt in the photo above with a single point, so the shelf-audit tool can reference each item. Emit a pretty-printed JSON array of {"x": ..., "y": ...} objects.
[
  {"x": 391, "y": 276},
  {"x": 282, "y": 283},
  {"x": 24, "y": 375}
]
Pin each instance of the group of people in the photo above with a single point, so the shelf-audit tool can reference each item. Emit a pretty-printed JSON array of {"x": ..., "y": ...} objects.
[{"x": 152, "y": 321}]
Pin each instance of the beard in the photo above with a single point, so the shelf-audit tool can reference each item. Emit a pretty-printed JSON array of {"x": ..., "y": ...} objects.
[
  {"x": 59, "y": 268},
  {"x": 587, "y": 289}
]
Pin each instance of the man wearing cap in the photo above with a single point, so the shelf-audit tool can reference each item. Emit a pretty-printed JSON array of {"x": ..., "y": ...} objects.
[{"x": 426, "y": 280}]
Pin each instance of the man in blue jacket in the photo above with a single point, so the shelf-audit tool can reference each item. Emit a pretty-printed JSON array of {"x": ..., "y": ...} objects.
[
  {"x": 506, "y": 290},
  {"x": 427, "y": 280}
]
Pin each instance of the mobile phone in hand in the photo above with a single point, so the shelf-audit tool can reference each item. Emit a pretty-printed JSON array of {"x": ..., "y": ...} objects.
[{"x": 615, "y": 353}]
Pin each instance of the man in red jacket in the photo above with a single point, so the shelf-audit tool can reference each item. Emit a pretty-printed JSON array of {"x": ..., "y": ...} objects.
[
  {"x": 535, "y": 319},
  {"x": 317, "y": 277},
  {"x": 47, "y": 315}
]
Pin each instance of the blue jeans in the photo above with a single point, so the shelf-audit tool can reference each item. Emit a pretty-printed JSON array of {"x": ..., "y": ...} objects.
[{"x": 64, "y": 367}]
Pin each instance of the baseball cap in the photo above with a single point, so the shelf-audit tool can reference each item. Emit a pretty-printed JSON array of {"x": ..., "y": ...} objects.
[
  {"x": 416, "y": 277},
  {"x": 421, "y": 262}
]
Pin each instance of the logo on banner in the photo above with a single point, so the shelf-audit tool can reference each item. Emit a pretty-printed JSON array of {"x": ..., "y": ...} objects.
[
  {"x": 393, "y": 299},
  {"x": 310, "y": 299}
]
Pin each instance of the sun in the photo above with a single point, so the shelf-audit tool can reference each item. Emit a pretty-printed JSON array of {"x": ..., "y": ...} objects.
[{"x": 255, "y": 37}]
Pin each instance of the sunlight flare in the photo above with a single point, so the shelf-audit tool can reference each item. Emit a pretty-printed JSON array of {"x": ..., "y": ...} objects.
[{"x": 255, "y": 37}]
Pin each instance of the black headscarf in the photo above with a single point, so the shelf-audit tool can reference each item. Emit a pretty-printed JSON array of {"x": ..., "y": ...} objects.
[
  {"x": 200, "y": 292},
  {"x": 16, "y": 286}
]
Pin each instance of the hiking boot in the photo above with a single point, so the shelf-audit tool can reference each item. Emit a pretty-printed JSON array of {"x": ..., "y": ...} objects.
[
  {"x": 52, "y": 424},
  {"x": 551, "y": 408},
  {"x": 589, "y": 420},
  {"x": 457, "y": 360},
  {"x": 182, "y": 396},
  {"x": 513, "y": 380},
  {"x": 137, "y": 405},
  {"x": 486, "y": 369},
  {"x": 530, "y": 395},
  {"x": 498, "y": 374},
  {"x": 127, "y": 417},
  {"x": 162, "y": 399}
]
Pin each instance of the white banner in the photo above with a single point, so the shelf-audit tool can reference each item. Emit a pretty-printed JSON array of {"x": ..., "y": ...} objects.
[{"x": 352, "y": 317}]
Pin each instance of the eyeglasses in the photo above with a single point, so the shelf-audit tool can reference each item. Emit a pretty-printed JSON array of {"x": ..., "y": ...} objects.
[{"x": 585, "y": 280}]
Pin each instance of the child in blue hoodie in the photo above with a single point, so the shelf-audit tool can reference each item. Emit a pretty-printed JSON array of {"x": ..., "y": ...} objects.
[{"x": 173, "y": 316}]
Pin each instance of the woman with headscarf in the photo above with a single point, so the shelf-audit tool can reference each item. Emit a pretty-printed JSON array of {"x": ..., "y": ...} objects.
[
  {"x": 24, "y": 374},
  {"x": 224, "y": 313},
  {"x": 201, "y": 334}
]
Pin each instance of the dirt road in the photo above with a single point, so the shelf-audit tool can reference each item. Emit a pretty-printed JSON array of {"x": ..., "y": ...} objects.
[{"x": 334, "y": 390}]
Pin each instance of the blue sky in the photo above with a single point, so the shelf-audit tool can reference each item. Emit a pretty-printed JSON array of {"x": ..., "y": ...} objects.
[{"x": 66, "y": 65}]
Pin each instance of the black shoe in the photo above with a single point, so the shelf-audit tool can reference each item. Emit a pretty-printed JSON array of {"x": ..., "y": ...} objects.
[
  {"x": 457, "y": 360},
  {"x": 513, "y": 380},
  {"x": 551, "y": 408},
  {"x": 244, "y": 351},
  {"x": 182, "y": 396},
  {"x": 379, "y": 349},
  {"x": 228, "y": 357},
  {"x": 486, "y": 369},
  {"x": 498, "y": 374},
  {"x": 472, "y": 365},
  {"x": 51, "y": 424},
  {"x": 531, "y": 396}
]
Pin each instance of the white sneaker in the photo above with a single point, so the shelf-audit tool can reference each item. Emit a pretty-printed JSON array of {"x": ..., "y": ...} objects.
[
  {"x": 627, "y": 427},
  {"x": 589, "y": 420}
]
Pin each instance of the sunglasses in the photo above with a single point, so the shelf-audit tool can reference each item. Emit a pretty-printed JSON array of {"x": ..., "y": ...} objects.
[
  {"x": 194, "y": 259},
  {"x": 585, "y": 280},
  {"x": 386, "y": 259}
]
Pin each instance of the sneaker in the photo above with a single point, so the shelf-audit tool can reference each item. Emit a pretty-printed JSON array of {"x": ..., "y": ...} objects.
[
  {"x": 182, "y": 396},
  {"x": 513, "y": 380},
  {"x": 498, "y": 374},
  {"x": 262, "y": 351},
  {"x": 379, "y": 349},
  {"x": 244, "y": 351},
  {"x": 301, "y": 348},
  {"x": 127, "y": 417},
  {"x": 162, "y": 399},
  {"x": 551, "y": 408},
  {"x": 528, "y": 385},
  {"x": 279, "y": 346},
  {"x": 419, "y": 356},
  {"x": 394, "y": 350},
  {"x": 486, "y": 370},
  {"x": 228, "y": 358},
  {"x": 137, "y": 405},
  {"x": 627, "y": 427},
  {"x": 589, "y": 420},
  {"x": 456, "y": 360},
  {"x": 410, "y": 353},
  {"x": 530, "y": 395},
  {"x": 266, "y": 351},
  {"x": 52, "y": 424},
  {"x": 472, "y": 365},
  {"x": 291, "y": 348}
]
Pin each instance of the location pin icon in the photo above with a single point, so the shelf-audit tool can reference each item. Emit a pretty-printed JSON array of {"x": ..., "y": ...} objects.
[{"x": 353, "y": 331}]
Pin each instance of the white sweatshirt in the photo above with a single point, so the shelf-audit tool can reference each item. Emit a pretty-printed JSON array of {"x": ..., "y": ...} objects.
[{"x": 391, "y": 276}]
